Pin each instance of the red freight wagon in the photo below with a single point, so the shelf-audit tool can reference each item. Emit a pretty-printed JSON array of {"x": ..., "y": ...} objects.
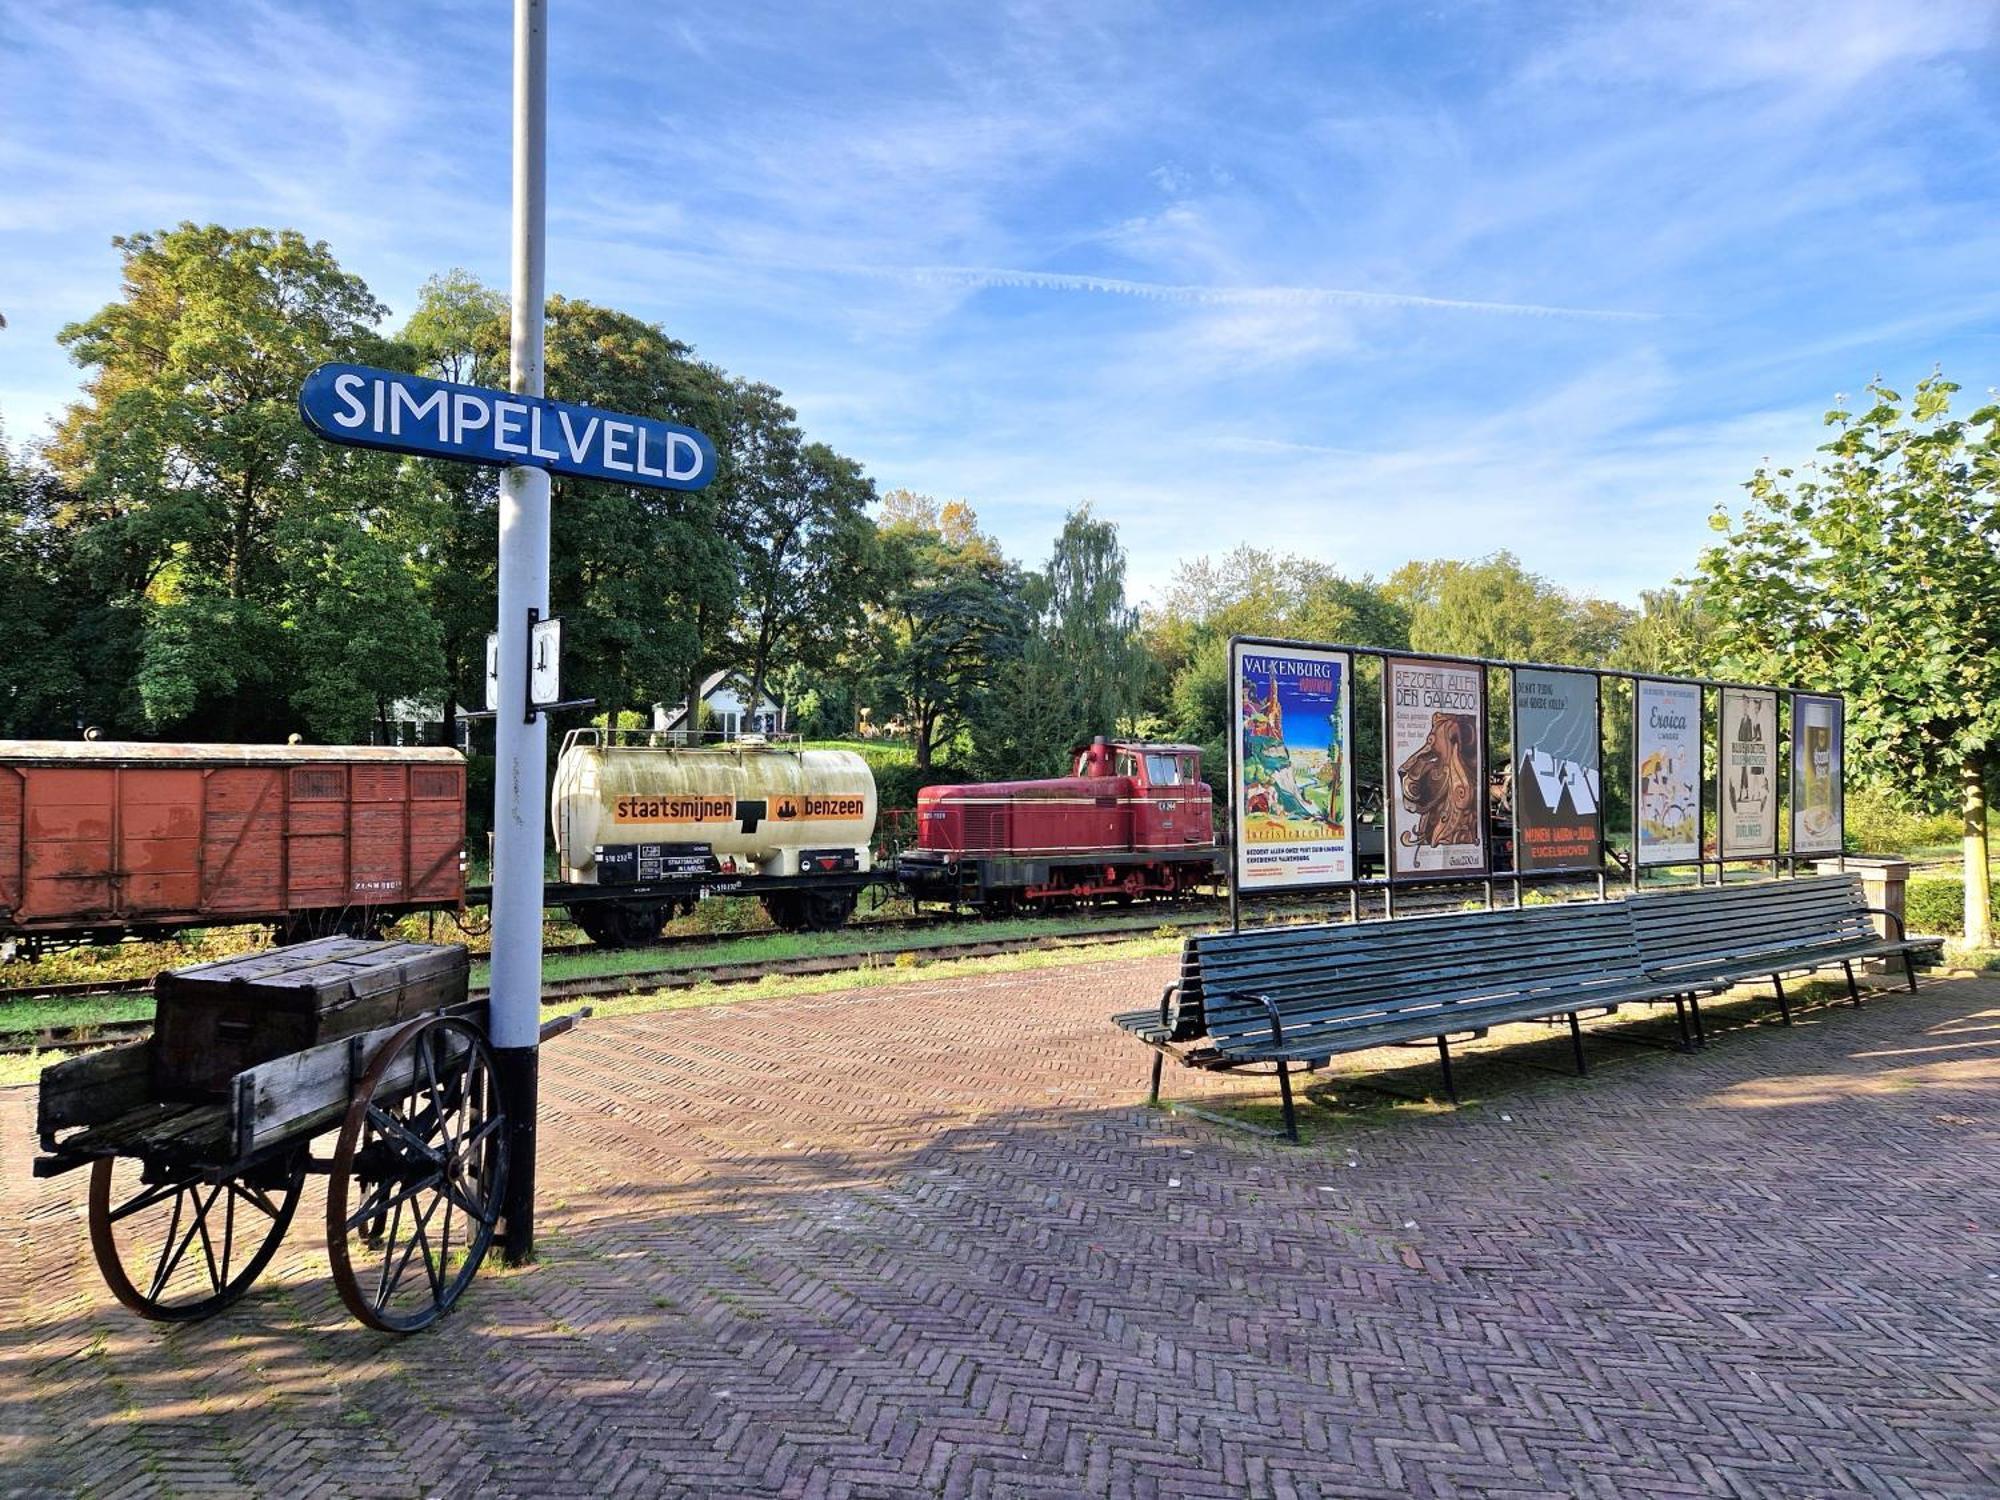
[
  {"x": 103, "y": 838},
  {"x": 1132, "y": 819}
]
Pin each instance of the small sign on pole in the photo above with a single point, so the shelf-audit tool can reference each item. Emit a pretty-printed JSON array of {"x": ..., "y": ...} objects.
[
  {"x": 492, "y": 671},
  {"x": 545, "y": 663}
]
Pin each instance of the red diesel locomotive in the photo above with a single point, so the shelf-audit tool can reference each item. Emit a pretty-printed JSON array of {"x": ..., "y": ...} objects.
[{"x": 1132, "y": 820}]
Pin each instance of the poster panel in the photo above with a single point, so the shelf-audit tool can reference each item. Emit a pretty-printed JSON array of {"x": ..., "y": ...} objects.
[
  {"x": 1558, "y": 771},
  {"x": 1669, "y": 784},
  {"x": 1818, "y": 727},
  {"x": 1295, "y": 766},
  {"x": 1437, "y": 751},
  {"x": 1747, "y": 784}
]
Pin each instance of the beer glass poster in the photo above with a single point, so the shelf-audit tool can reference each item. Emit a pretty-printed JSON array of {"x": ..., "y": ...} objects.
[
  {"x": 1747, "y": 790},
  {"x": 1437, "y": 745},
  {"x": 1295, "y": 786},
  {"x": 1816, "y": 774},
  {"x": 1669, "y": 773},
  {"x": 1557, "y": 771}
]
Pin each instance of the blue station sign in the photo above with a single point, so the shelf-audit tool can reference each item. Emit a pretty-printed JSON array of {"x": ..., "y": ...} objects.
[{"x": 370, "y": 408}]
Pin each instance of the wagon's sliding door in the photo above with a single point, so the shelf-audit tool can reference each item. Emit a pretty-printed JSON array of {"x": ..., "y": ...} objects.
[
  {"x": 67, "y": 868},
  {"x": 159, "y": 840}
]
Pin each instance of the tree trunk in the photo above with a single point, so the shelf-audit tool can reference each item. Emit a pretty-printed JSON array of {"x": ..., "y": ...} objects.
[{"x": 1978, "y": 884}]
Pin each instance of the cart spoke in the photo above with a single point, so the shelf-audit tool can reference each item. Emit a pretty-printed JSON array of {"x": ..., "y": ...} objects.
[
  {"x": 256, "y": 1197},
  {"x": 410, "y": 1248},
  {"x": 171, "y": 1252},
  {"x": 409, "y": 1139},
  {"x": 146, "y": 1198},
  {"x": 388, "y": 1258},
  {"x": 202, "y": 1207},
  {"x": 375, "y": 1210}
]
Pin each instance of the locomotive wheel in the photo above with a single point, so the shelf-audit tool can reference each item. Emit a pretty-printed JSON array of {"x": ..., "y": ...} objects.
[
  {"x": 186, "y": 1232},
  {"x": 415, "y": 1193},
  {"x": 621, "y": 924}
]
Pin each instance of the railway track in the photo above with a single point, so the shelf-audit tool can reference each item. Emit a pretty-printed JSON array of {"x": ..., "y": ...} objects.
[{"x": 671, "y": 976}]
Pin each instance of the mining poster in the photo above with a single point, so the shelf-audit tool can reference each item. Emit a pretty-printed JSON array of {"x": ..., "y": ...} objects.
[
  {"x": 1558, "y": 771},
  {"x": 1437, "y": 744},
  {"x": 1669, "y": 787},
  {"x": 1746, "y": 781},
  {"x": 1295, "y": 773},
  {"x": 1817, "y": 773}
]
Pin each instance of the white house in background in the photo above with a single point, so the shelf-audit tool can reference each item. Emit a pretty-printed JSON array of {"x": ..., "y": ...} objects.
[{"x": 726, "y": 695}]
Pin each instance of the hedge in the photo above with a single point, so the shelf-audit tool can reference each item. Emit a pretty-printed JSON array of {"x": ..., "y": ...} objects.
[{"x": 1936, "y": 904}]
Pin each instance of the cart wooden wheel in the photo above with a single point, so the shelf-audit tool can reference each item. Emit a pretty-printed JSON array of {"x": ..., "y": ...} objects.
[
  {"x": 195, "y": 1240},
  {"x": 415, "y": 1191}
]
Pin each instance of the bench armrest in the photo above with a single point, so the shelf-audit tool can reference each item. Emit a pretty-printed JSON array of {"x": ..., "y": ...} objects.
[
  {"x": 1277, "y": 1025},
  {"x": 1166, "y": 1005},
  {"x": 1902, "y": 932}
]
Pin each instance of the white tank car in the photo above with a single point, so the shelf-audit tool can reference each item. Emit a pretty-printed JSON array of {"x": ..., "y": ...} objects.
[{"x": 631, "y": 808}]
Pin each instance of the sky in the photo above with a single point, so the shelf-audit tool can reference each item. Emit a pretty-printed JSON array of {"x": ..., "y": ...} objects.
[{"x": 1364, "y": 282}]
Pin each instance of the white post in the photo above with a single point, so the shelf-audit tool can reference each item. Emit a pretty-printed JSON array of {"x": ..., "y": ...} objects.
[{"x": 521, "y": 747}]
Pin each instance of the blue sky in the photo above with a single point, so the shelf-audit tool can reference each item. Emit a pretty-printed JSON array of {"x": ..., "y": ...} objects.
[{"x": 1361, "y": 281}]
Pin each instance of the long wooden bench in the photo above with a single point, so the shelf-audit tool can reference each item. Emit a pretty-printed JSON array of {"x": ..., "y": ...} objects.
[
  {"x": 1295, "y": 997},
  {"x": 1721, "y": 934}
]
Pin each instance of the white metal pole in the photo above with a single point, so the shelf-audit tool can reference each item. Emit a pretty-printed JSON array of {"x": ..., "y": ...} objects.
[{"x": 521, "y": 747}]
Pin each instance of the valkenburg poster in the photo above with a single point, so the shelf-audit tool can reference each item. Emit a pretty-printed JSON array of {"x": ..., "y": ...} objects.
[
  {"x": 1437, "y": 739},
  {"x": 1669, "y": 773},
  {"x": 1295, "y": 787},
  {"x": 1558, "y": 781},
  {"x": 1747, "y": 783}
]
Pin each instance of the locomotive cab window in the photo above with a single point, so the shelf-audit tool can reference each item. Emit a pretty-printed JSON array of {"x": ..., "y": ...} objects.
[
  {"x": 1126, "y": 764},
  {"x": 1163, "y": 770}
]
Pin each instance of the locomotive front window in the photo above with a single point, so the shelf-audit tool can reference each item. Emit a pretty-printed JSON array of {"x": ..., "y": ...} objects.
[
  {"x": 1163, "y": 770},
  {"x": 1125, "y": 765}
]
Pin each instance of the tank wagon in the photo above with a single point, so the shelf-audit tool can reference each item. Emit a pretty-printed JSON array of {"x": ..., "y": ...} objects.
[
  {"x": 644, "y": 828},
  {"x": 101, "y": 839},
  {"x": 1133, "y": 819}
]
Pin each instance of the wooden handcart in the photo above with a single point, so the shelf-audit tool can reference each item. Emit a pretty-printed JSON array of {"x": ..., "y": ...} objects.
[{"x": 197, "y": 1164}]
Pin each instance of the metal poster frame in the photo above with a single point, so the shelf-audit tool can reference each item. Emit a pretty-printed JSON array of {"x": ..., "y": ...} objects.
[
  {"x": 1781, "y": 862},
  {"x": 1238, "y": 785},
  {"x": 1514, "y": 773},
  {"x": 1797, "y": 749},
  {"x": 1639, "y": 685},
  {"x": 1484, "y": 870},
  {"x": 1724, "y": 853}
]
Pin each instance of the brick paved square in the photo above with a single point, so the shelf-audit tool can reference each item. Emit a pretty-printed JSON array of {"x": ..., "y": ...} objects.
[{"x": 927, "y": 1241}]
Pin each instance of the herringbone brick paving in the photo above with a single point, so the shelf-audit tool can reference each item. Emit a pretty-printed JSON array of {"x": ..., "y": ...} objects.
[{"x": 923, "y": 1241}]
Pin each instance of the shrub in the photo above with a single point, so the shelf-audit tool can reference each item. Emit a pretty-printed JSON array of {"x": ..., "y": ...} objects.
[
  {"x": 1876, "y": 825},
  {"x": 1936, "y": 904}
]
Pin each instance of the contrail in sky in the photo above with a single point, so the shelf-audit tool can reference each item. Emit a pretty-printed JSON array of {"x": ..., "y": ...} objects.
[{"x": 1243, "y": 296}]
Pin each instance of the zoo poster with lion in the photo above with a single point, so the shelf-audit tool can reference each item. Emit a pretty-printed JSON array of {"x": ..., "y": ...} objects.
[
  {"x": 1437, "y": 745},
  {"x": 1295, "y": 771}
]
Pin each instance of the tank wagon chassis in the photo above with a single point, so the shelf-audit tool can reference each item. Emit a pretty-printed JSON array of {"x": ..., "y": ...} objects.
[{"x": 632, "y": 916}]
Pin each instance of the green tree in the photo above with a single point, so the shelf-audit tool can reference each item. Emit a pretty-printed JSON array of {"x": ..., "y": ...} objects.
[
  {"x": 43, "y": 689},
  {"x": 798, "y": 514},
  {"x": 189, "y": 459},
  {"x": 1082, "y": 670},
  {"x": 1496, "y": 608},
  {"x": 948, "y": 619},
  {"x": 1875, "y": 572},
  {"x": 639, "y": 574},
  {"x": 459, "y": 333}
]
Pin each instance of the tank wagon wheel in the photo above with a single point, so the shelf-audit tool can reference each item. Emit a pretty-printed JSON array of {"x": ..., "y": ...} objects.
[
  {"x": 196, "y": 1241},
  {"x": 622, "y": 924},
  {"x": 415, "y": 1192}
]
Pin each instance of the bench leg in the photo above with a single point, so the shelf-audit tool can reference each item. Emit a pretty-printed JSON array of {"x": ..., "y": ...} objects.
[
  {"x": 1159, "y": 1061},
  {"x": 1681, "y": 1024},
  {"x": 1910, "y": 969},
  {"x": 1853, "y": 989},
  {"x": 1784, "y": 1005},
  {"x": 1444, "y": 1062},
  {"x": 1285, "y": 1092},
  {"x": 1576, "y": 1044},
  {"x": 1700, "y": 1031}
]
